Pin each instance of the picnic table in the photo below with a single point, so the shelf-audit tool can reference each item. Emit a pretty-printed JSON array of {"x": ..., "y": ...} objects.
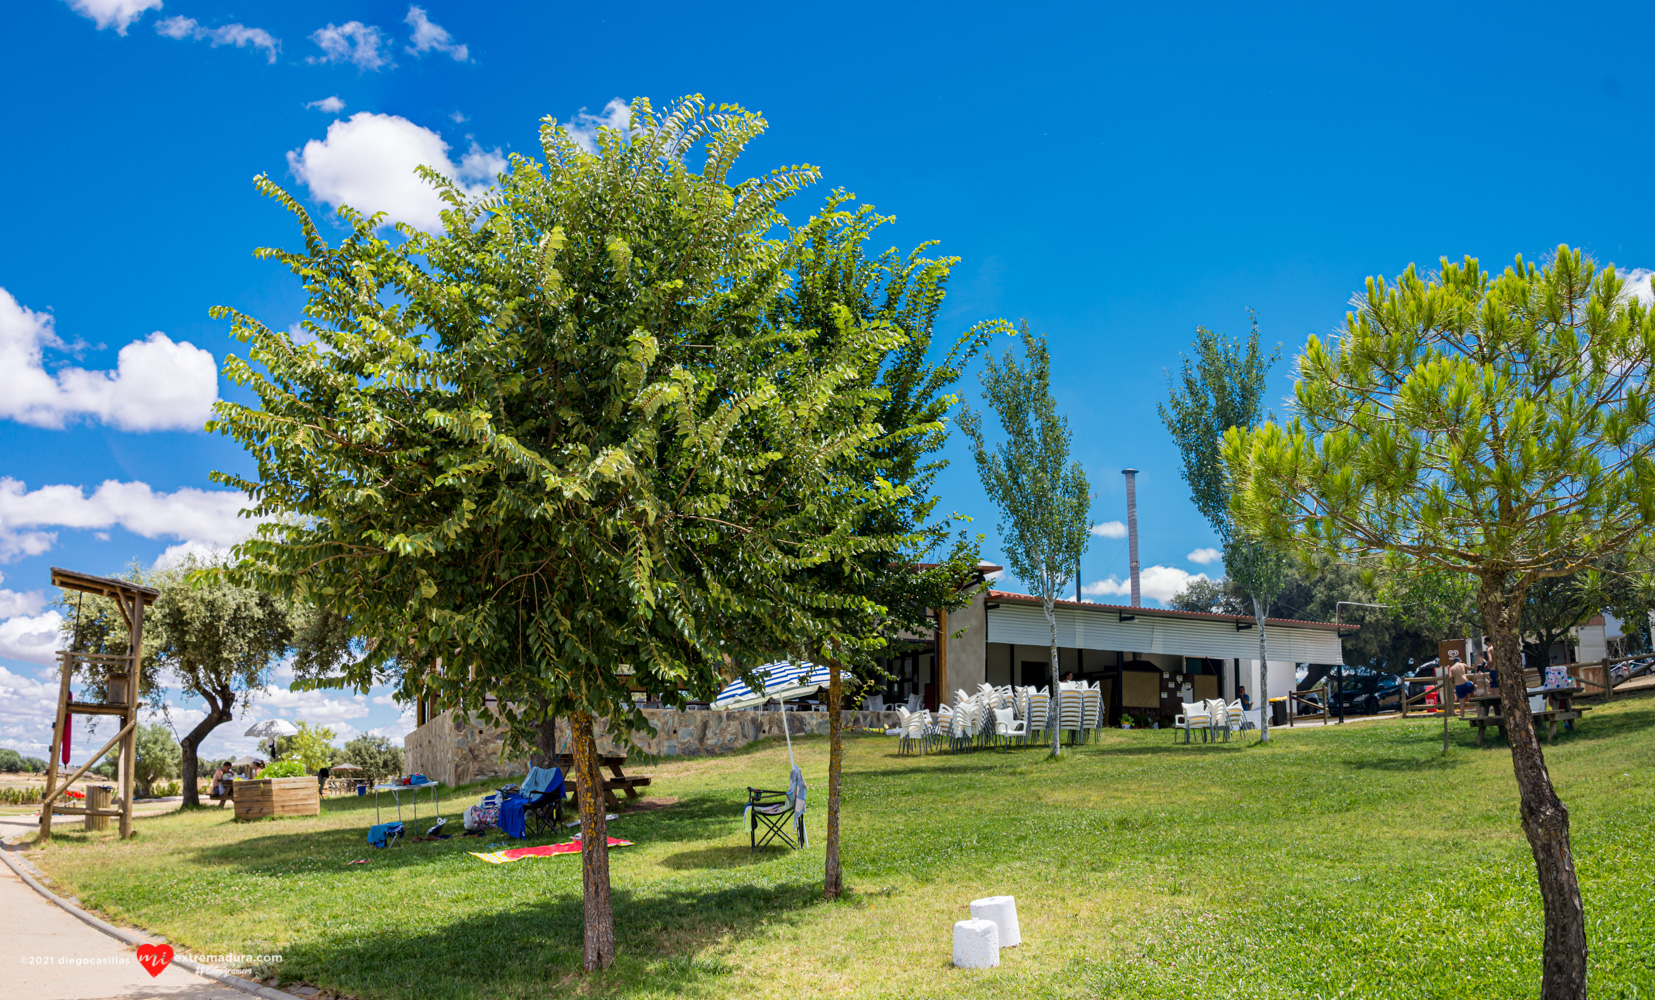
[
  {"x": 1560, "y": 707},
  {"x": 618, "y": 780}
]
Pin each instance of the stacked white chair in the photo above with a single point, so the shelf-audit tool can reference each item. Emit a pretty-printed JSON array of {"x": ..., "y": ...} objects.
[
  {"x": 1092, "y": 706},
  {"x": 1071, "y": 715},
  {"x": 901, "y": 723},
  {"x": 1220, "y": 714},
  {"x": 1237, "y": 717},
  {"x": 1020, "y": 703},
  {"x": 1039, "y": 709},
  {"x": 913, "y": 736},
  {"x": 959, "y": 735}
]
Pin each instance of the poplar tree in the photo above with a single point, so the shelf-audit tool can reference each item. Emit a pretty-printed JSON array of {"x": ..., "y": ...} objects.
[
  {"x": 1043, "y": 497},
  {"x": 1494, "y": 426}
]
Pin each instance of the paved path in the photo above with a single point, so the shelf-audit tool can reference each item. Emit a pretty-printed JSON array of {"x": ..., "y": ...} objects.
[{"x": 40, "y": 946}]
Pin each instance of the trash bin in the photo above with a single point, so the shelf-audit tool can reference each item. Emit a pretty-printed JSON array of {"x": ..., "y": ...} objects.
[
  {"x": 361, "y": 788},
  {"x": 98, "y": 797},
  {"x": 1278, "y": 711}
]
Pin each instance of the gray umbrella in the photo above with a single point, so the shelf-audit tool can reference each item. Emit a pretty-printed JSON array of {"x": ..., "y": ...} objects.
[{"x": 272, "y": 727}]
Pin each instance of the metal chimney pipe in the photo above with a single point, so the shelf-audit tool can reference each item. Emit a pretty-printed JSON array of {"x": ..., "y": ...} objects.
[{"x": 1132, "y": 530}]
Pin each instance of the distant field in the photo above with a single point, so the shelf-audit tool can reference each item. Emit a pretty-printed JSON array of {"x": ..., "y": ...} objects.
[{"x": 1352, "y": 861}]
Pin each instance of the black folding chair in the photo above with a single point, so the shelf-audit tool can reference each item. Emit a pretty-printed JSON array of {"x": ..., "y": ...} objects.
[
  {"x": 771, "y": 810},
  {"x": 544, "y": 811}
]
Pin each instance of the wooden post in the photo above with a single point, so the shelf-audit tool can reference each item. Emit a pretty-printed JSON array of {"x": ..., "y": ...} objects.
[
  {"x": 129, "y": 746},
  {"x": 64, "y": 664},
  {"x": 942, "y": 657}
]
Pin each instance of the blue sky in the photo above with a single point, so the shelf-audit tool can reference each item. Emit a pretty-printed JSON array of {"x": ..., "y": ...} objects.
[{"x": 1114, "y": 178}]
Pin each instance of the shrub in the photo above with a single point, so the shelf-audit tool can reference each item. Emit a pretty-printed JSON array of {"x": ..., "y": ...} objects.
[{"x": 287, "y": 767}]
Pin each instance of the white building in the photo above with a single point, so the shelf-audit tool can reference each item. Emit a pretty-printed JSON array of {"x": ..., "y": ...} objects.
[{"x": 1145, "y": 659}]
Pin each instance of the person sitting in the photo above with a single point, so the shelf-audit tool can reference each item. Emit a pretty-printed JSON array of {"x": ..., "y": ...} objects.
[
  {"x": 222, "y": 778},
  {"x": 1246, "y": 699}
]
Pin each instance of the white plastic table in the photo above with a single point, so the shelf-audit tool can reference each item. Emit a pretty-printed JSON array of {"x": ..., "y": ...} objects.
[{"x": 396, "y": 793}]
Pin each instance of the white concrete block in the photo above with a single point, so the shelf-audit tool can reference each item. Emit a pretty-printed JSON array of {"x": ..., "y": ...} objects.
[
  {"x": 976, "y": 944},
  {"x": 1003, "y": 911}
]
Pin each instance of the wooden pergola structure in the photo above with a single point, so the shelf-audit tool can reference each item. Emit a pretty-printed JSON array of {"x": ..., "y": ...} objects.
[{"x": 122, "y": 689}]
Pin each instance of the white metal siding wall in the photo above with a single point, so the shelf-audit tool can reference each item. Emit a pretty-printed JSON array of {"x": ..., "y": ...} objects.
[{"x": 1025, "y": 625}]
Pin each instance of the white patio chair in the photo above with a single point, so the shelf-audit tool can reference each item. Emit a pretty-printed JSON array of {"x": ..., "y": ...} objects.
[
  {"x": 1007, "y": 726},
  {"x": 1195, "y": 716},
  {"x": 913, "y": 703},
  {"x": 901, "y": 726},
  {"x": 1235, "y": 717}
]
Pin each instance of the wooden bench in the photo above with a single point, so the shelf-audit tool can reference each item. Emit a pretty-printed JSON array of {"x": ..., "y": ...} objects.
[
  {"x": 1551, "y": 717},
  {"x": 618, "y": 781}
]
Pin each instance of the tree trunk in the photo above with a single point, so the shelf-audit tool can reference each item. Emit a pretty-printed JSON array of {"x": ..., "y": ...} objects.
[
  {"x": 833, "y": 879},
  {"x": 1054, "y": 707},
  {"x": 1545, "y": 819},
  {"x": 594, "y": 848},
  {"x": 1263, "y": 676},
  {"x": 545, "y": 739},
  {"x": 219, "y": 712}
]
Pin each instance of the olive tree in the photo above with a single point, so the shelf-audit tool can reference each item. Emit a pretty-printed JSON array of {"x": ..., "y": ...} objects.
[{"x": 1493, "y": 426}]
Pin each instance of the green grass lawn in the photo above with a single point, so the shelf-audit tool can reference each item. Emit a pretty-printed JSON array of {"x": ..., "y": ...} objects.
[{"x": 1350, "y": 862}]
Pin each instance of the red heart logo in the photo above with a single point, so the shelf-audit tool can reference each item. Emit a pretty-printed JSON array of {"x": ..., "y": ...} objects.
[{"x": 154, "y": 957}]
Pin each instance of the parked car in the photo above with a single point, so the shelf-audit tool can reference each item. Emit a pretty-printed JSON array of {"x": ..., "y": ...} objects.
[{"x": 1368, "y": 694}]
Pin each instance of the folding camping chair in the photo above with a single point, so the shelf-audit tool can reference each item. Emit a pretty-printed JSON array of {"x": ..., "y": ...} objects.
[
  {"x": 770, "y": 809},
  {"x": 544, "y": 790}
]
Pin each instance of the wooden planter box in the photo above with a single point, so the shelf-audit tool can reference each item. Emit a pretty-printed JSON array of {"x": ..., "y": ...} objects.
[{"x": 277, "y": 797}]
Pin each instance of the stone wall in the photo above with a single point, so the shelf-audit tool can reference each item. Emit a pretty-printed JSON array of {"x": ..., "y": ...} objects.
[{"x": 458, "y": 752}]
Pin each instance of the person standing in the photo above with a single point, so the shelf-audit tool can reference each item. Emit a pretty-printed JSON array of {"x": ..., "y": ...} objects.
[{"x": 1460, "y": 677}]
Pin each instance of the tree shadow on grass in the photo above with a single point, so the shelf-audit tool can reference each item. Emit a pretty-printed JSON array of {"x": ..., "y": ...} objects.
[
  {"x": 689, "y": 820},
  {"x": 536, "y": 950}
]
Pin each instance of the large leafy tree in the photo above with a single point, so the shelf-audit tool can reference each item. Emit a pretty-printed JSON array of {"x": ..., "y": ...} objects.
[
  {"x": 885, "y": 588},
  {"x": 564, "y": 436},
  {"x": 1222, "y": 387},
  {"x": 1043, "y": 497},
  {"x": 1491, "y": 426}
]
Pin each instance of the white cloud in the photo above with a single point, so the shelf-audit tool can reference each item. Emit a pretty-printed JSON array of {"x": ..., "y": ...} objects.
[
  {"x": 30, "y": 638},
  {"x": 367, "y": 162},
  {"x": 205, "y": 517},
  {"x": 1205, "y": 556},
  {"x": 28, "y": 707},
  {"x": 319, "y": 708},
  {"x": 239, "y": 35},
  {"x": 352, "y": 42},
  {"x": 203, "y": 553},
  {"x": 28, "y": 602},
  {"x": 156, "y": 385},
  {"x": 1160, "y": 583},
  {"x": 117, "y": 13},
  {"x": 458, "y": 117},
  {"x": 583, "y": 127},
  {"x": 331, "y": 104},
  {"x": 1109, "y": 529},
  {"x": 428, "y": 37},
  {"x": 398, "y": 729},
  {"x": 384, "y": 699},
  {"x": 1639, "y": 285}
]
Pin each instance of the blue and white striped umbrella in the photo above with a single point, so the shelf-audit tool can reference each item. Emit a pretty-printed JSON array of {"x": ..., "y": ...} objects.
[{"x": 780, "y": 680}]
